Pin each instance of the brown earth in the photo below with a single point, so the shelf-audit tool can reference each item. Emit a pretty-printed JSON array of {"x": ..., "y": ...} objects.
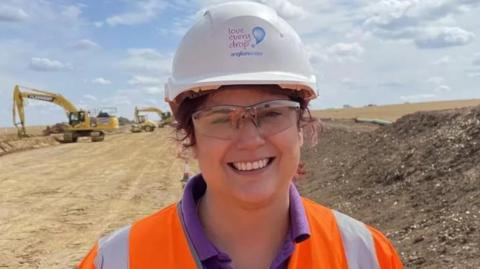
[
  {"x": 9, "y": 141},
  {"x": 55, "y": 202},
  {"x": 392, "y": 112},
  {"x": 38, "y": 138},
  {"x": 416, "y": 180}
]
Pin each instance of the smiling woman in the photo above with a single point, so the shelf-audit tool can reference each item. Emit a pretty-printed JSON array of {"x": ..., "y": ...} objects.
[{"x": 244, "y": 119}]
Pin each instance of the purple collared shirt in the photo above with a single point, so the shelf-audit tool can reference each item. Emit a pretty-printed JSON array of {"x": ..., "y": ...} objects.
[{"x": 213, "y": 258}]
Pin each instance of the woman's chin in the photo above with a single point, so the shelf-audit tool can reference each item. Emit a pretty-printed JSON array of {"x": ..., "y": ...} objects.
[{"x": 256, "y": 195}]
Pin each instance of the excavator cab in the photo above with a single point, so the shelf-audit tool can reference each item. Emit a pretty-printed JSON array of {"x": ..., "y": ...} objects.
[
  {"x": 142, "y": 118},
  {"x": 166, "y": 116},
  {"x": 103, "y": 114},
  {"x": 75, "y": 118}
]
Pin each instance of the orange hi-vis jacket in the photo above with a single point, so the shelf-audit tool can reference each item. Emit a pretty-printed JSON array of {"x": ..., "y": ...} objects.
[{"x": 337, "y": 241}]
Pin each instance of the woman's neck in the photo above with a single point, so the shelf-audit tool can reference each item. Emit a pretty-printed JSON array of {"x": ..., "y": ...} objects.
[{"x": 246, "y": 230}]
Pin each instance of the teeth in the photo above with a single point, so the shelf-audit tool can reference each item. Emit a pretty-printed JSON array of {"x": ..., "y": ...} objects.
[{"x": 248, "y": 166}]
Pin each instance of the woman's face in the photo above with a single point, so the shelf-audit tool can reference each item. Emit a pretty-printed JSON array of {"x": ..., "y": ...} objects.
[{"x": 228, "y": 165}]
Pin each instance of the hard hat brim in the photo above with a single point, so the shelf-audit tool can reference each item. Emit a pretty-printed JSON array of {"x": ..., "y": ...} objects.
[{"x": 284, "y": 80}]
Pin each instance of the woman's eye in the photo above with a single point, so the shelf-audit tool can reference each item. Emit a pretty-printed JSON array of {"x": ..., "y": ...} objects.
[
  {"x": 272, "y": 114},
  {"x": 220, "y": 120}
]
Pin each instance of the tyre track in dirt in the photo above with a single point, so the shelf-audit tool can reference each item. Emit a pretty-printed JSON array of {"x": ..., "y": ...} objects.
[{"x": 55, "y": 202}]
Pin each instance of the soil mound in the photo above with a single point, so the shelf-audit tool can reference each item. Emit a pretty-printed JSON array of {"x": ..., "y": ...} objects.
[
  {"x": 11, "y": 145},
  {"x": 418, "y": 180}
]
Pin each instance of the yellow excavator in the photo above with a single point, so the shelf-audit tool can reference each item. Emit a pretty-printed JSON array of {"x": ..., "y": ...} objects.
[
  {"x": 80, "y": 123},
  {"x": 142, "y": 123}
]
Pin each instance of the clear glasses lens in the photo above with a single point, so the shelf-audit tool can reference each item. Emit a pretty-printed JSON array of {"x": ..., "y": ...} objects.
[{"x": 270, "y": 117}]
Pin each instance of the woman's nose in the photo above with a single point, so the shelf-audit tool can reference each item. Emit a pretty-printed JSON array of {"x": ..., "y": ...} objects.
[{"x": 248, "y": 135}]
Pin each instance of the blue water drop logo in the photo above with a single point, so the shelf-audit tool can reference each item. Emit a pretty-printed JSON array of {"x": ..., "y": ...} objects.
[{"x": 258, "y": 34}]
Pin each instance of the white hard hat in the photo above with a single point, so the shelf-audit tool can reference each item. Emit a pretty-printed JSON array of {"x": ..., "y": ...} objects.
[{"x": 239, "y": 43}]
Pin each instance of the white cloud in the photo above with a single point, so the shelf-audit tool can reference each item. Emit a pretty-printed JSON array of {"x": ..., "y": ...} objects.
[
  {"x": 146, "y": 53},
  {"x": 147, "y": 61},
  {"x": 145, "y": 11},
  {"x": 85, "y": 44},
  {"x": 442, "y": 88},
  {"x": 476, "y": 59},
  {"x": 397, "y": 14},
  {"x": 474, "y": 75},
  {"x": 316, "y": 53},
  {"x": 442, "y": 61},
  {"x": 285, "y": 8},
  {"x": 101, "y": 81},
  {"x": 89, "y": 97},
  {"x": 444, "y": 37},
  {"x": 423, "y": 21},
  {"x": 417, "y": 97},
  {"x": 179, "y": 26},
  {"x": 45, "y": 64},
  {"x": 153, "y": 102},
  {"x": 145, "y": 81},
  {"x": 144, "y": 91},
  {"x": 436, "y": 80},
  {"x": 48, "y": 17},
  {"x": 391, "y": 84},
  {"x": 346, "y": 51},
  {"x": 339, "y": 52},
  {"x": 152, "y": 90},
  {"x": 347, "y": 81},
  {"x": 12, "y": 14},
  {"x": 72, "y": 11},
  {"x": 117, "y": 100},
  {"x": 387, "y": 14}
]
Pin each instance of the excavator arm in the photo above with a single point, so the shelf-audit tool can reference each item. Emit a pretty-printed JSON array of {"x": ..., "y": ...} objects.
[
  {"x": 18, "y": 107},
  {"x": 161, "y": 114},
  {"x": 142, "y": 123},
  {"x": 20, "y": 93}
]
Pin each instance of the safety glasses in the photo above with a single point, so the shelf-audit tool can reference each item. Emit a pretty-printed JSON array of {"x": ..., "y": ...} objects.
[{"x": 223, "y": 122}]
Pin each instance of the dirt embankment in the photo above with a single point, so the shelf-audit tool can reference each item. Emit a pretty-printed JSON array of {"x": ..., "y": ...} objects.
[
  {"x": 418, "y": 180},
  {"x": 55, "y": 202},
  {"x": 15, "y": 145},
  {"x": 35, "y": 138}
]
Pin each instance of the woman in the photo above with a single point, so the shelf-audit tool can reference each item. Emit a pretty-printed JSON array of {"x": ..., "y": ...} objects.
[{"x": 239, "y": 91}]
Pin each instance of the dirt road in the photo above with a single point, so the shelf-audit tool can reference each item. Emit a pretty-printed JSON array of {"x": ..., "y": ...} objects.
[{"x": 56, "y": 201}]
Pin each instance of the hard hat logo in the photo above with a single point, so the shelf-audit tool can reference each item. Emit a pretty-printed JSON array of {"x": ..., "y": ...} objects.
[
  {"x": 258, "y": 34},
  {"x": 239, "y": 38}
]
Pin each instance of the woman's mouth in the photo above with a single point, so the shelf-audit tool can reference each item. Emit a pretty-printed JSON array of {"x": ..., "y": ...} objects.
[{"x": 251, "y": 166}]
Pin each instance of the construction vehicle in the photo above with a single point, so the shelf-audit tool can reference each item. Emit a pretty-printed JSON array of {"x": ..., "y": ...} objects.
[
  {"x": 142, "y": 123},
  {"x": 80, "y": 123}
]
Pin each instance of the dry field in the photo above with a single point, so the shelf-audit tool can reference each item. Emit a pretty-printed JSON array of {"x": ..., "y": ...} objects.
[
  {"x": 56, "y": 201},
  {"x": 11, "y": 133},
  {"x": 391, "y": 112}
]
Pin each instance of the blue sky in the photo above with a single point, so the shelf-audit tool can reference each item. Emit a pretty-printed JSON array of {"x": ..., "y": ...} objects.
[{"x": 108, "y": 53}]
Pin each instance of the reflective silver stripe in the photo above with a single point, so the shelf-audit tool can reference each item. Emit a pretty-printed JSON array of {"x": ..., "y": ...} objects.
[
  {"x": 357, "y": 242},
  {"x": 113, "y": 250},
  {"x": 190, "y": 246}
]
